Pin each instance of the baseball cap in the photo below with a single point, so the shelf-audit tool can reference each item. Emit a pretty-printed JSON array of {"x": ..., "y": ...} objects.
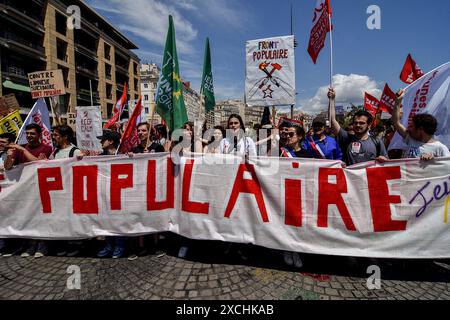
[{"x": 114, "y": 136}]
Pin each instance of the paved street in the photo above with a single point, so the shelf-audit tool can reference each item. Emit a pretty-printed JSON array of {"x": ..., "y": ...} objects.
[{"x": 207, "y": 273}]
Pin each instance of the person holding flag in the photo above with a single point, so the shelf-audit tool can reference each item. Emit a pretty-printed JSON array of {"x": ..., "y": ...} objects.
[
  {"x": 361, "y": 146},
  {"x": 419, "y": 136},
  {"x": 170, "y": 103}
]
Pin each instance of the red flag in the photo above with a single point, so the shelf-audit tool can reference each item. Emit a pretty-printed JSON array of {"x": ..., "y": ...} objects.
[
  {"x": 321, "y": 26},
  {"x": 411, "y": 71},
  {"x": 387, "y": 100},
  {"x": 371, "y": 104},
  {"x": 130, "y": 137},
  {"x": 122, "y": 101},
  {"x": 118, "y": 108}
]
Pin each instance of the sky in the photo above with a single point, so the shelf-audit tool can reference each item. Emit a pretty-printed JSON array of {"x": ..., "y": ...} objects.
[{"x": 364, "y": 60}]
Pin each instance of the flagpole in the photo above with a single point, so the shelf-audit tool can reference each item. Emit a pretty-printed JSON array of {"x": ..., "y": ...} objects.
[{"x": 331, "y": 49}]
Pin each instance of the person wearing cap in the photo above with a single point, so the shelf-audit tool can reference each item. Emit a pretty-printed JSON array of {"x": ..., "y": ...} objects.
[
  {"x": 110, "y": 141},
  {"x": 321, "y": 146},
  {"x": 115, "y": 246}
]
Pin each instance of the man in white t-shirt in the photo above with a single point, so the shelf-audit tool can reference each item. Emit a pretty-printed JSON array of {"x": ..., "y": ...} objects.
[
  {"x": 419, "y": 135},
  {"x": 62, "y": 135}
]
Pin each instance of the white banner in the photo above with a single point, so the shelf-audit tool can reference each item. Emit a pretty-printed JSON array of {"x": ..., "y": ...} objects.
[
  {"x": 270, "y": 73},
  {"x": 429, "y": 94},
  {"x": 89, "y": 127},
  {"x": 396, "y": 210}
]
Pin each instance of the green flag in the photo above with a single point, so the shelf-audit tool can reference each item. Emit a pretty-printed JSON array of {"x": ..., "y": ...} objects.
[
  {"x": 207, "y": 87},
  {"x": 170, "y": 103}
]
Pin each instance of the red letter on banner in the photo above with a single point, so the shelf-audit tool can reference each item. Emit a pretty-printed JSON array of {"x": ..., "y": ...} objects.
[
  {"x": 117, "y": 183},
  {"x": 380, "y": 199},
  {"x": 45, "y": 186},
  {"x": 252, "y": 186},
  {"x": 81, "y": 205},
  {"x": 293, "y": 203},
  {"x": 169, "y": 203},
  {"x": 186, "y": 204},
  {"x": 332, "y": 194}
]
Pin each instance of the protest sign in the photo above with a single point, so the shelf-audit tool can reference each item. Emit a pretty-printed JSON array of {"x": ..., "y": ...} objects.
[
  {"x": 270, "y": 73},
  {"x": 11, "y": 123},
  {"x": 88, "y": 128},
  {"x": 8, "y": 104},
  {"x": 46, "y": 83}
]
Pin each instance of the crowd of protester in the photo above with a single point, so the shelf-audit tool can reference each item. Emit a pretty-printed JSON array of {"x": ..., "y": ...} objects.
[{"x": 358, "y": 142}]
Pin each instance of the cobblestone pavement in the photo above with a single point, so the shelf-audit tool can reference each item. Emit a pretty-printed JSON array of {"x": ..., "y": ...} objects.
[{"x": 206, "y": 273}]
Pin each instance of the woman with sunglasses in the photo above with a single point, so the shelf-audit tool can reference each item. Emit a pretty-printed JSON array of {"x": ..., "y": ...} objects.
[
  {"x": 291, "y": 141},
  {"x": 236, "y": 142}
]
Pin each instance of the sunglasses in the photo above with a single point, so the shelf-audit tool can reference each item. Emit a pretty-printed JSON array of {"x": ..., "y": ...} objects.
[
  {"x": 232, "y": 123},
  {"x": 289, "y": 134}
]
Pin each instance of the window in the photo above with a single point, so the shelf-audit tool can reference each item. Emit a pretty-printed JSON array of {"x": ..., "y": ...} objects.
[
  {"x": 145, "y": 85},
  {"x": 146, "y": 97},
  {"x": 146, "y": 111},
  {"x": 108, "y": 71},
  {"x": 61, "y": 23},
  {"x": 61, "y": 50},
  {"x": 107, "y": 51}
]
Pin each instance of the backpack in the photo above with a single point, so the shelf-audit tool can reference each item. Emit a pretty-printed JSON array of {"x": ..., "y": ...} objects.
[{"x": 71, "y": 152}]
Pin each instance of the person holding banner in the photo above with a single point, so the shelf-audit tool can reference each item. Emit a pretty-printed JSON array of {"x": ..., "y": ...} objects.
[
  {"x": 5, "y": 140},
  {"x": 291, "y": 137},
  {"x": 361, "y": 147},
  {"x": 32, "y": 151},
  {"x": 115, "y": 246},
  {"x": 321, "y": 146},
  {"x": 237, "y": 143},
  {"x": 419, "y": 135}
]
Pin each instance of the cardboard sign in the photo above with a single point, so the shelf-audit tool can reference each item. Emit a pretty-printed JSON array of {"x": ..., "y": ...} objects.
[
  {"x": 72, "y": 120},
  {"x": 46, "y": 84},
  {"x": 8, "y": 104},
  {"x": 11, "y": 123}
]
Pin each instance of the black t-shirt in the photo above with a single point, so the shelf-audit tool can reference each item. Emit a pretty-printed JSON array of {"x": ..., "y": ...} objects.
[{"x": 155, "y": 147}]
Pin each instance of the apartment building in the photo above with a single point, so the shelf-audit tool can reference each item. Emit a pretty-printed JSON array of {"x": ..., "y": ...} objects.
[{"x": 96, "y": 59}]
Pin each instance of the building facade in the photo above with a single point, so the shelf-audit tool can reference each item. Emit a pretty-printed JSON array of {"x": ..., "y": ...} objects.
[
  {"x": 191, "y": 101},
  {"x": 96, "y": 59},
  {"x": 149, "y": 82}
]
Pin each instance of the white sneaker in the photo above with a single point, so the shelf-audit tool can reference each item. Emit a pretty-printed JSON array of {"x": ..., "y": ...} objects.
[
  {"x": 297, "y": 261},
  {"x": 288, "y": 259},
  {"x": 38, "y": 255},
  {"x": 183, "y": 252},
  {"x": 25, "y": 255}
]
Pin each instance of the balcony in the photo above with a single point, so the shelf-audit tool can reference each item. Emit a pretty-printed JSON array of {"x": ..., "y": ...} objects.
[
  {"x": 89, "y": 53},
  {"x": 85, "y": 94},
  {"x": 22, "y": 14},
  {"x": 12, "y": 39},
  {"x": 122, "y": 69},
  {"x": 86, "y": 70}
]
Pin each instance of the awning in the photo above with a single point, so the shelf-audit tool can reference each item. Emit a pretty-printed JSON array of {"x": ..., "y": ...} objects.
[{"x": 16, "y": 86}]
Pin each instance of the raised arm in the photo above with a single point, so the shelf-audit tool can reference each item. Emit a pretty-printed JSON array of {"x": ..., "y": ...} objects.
[
  {"x": 335, "y": 127},
  {"x": 396, "y": 116}
]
